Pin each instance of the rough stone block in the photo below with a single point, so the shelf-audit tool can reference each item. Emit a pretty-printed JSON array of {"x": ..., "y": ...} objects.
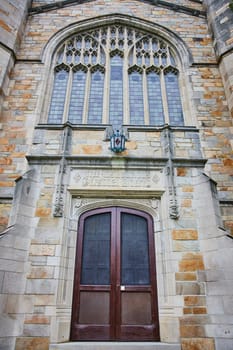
[
  {"x": 192, "y": 331},
  {"x": 36, "y": 330},
  {"x": 43, "y": 249},
  {"x": 192, "y": 300},
  {"x": 19, "y": 304},
  {"x": 215, "y": 304},
  {"x": 223, "y": 288},
  {"x": 41, "y": 286},
  {"x": 14, "y": 283},
  {"x": 182, "y": 245},
  {"x": 188, "y": 288},
  {"x": 32, "y": 343},
  {"x": 7, "y": 343},
  {"x": 219, "y": 330},
  {"x": 10, "y": 326},
  {"x": 43, "y": 300},
  {"x": 186, "y": 276},
  {"x": 169, "y": 329},
  {"x": 198, "y": 344},
  {"x": 223, "y": 344},
  {"x": 188, "y": 265},
  {"x": 187, "y": 234},
  {"x": 41, "y": 272},
  {"x": 37, "y": 319}
]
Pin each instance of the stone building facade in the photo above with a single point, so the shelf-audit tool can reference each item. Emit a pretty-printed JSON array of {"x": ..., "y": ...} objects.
[{"x": 71, "y": 72}]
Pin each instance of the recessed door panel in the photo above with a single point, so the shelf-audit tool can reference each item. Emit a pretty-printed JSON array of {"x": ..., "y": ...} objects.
[
  {"x": 115, "y": 279},
  {"x": 136, "y": 308},
  {"x": 94, "y": 307}
]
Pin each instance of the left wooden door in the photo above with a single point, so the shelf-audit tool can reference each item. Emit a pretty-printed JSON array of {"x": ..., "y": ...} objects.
[{"x": 91, "y": 313}]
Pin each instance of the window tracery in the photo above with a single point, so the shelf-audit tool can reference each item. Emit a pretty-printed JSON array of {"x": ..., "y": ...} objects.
[{"x": 116, "y": 75}]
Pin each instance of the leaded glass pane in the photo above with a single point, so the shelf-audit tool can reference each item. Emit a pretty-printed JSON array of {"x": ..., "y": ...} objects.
[
  {"x": 155, "y": 99},
  {"x": 134, "y": 251},
  {"x": 77, "y": 97},
  {"x": 173, "y": 99},
  {"x": 96, "y": 250},
  {"x": 136, "y": 99},
  {"x": 96, "y": 98},
  {"x": 127, "y": 48},
  {"x": 116, "y": 92},
  {"x": 58, "y": 97}
]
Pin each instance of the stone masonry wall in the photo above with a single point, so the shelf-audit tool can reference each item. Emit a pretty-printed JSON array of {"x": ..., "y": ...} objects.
[
  {"x": 12, "y": 22},
  {"x": 191, "y": 255}
]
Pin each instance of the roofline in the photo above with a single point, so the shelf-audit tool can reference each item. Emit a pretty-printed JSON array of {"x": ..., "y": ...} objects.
[{"x": 162, "y": 3}]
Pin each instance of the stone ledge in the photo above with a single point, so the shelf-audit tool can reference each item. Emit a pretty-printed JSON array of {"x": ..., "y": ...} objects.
[{"x": 114, "y": 346}]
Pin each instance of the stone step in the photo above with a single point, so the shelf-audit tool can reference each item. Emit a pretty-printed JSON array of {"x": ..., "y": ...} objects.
[{"x": 114, "y": 346}]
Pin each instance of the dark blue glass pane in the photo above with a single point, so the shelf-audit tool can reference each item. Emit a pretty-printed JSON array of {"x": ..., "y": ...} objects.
[
  {"x": 173, "y": 99},
  {"x": 96, "y": 250},
  {"x": 134, "y": 250},
  {"x": 58, "y": 97},
  {"x": 77, "y": 97},
  {"x": 116, "y": 92},
  {"x": 136, "y": 99},
  {"x": 96, "y": 98},
  {"x": 155, "y": 99}
]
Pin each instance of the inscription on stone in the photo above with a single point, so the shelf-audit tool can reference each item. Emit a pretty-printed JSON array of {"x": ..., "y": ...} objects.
[{"x": 83, "y": 178}]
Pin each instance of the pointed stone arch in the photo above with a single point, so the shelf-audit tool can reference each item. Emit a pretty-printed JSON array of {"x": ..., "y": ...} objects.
[
  {"x": 177, "y": 48},
  {"x": 178, "y": 45}
]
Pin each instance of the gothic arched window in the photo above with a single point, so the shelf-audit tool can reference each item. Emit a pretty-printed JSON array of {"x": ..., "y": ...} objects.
[{"x": 116, "y": 75}]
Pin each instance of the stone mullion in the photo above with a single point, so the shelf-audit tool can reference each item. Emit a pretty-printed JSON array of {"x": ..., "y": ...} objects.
[
  {"x": 134, "y": 50},
  {"x": 126, "y": 119},
  {"x": 86, "y": 97},
  {"x": 151, "y": 52},
  {"x": 98, "y": 60},
  {"x": 68, "y": 94},
  {"x": 164, "y": 98},
  {"x": 106, "y": 117}
]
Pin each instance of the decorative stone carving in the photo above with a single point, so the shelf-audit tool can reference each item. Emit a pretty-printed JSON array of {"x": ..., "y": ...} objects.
[
  {"x": 169, "y": 171},
  {"x": 117, "y": 178}
]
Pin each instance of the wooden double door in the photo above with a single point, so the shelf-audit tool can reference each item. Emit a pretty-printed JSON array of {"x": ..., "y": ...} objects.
[{"x": 115, "y": 294}]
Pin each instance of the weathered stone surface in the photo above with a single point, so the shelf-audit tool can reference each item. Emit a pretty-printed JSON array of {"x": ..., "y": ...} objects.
[
  {"x": 44, "y": 250},
  {"x": 10, "y": 326},
  {"x": 194, "y": 300},
  {"x": 192, "y": 331},
  {"x": 186, "y": 276},
  {"x": 32, "y": 343},
  {"x": 191, "y": 262},
  {"x": 191, "y": 251},
  {"x": 182, "y": 246},
  {"x": 187, "y": 234},
  {"x": 198, "y": 344}
]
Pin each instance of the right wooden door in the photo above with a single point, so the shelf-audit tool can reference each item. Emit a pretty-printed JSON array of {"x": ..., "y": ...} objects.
[{"x": 115, "y": 294}]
